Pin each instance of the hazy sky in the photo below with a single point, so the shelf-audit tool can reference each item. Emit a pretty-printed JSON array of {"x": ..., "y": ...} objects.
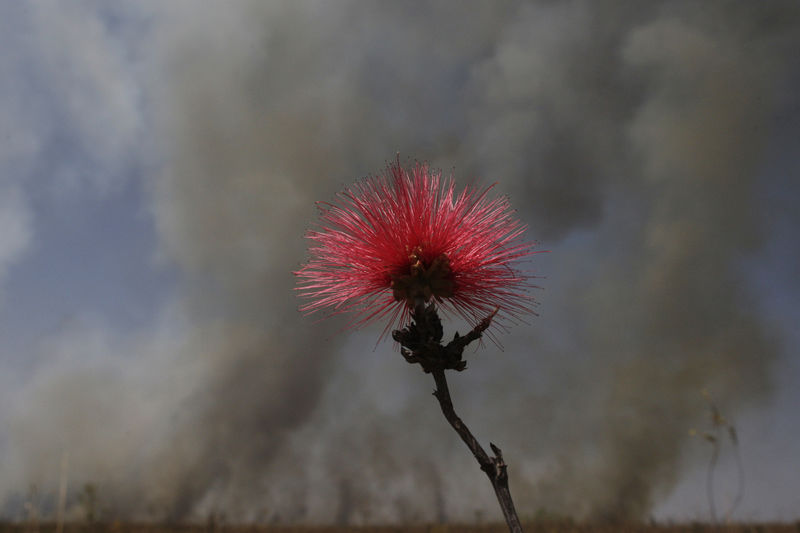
[{"x": 160, "y": 163}]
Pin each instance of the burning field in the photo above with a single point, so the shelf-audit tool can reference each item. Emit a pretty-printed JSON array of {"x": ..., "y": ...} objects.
[
  {"x": 161, "y": 165},
  {"x": 531, "y": 527}
]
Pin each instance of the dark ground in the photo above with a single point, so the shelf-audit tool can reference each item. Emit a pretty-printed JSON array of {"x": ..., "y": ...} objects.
[{"x": 537, "y": 527}]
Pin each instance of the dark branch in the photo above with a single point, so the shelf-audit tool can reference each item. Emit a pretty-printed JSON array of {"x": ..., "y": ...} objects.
[
  {"x": 494, "y": 467},
  {"x": 420, "y": 342}
]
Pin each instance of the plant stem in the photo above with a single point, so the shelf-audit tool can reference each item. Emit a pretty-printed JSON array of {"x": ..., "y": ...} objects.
[
  {"x": 710, "y": 477},
  {"x": 494, "y": 467},
  {"x": 740, "y": 468}
]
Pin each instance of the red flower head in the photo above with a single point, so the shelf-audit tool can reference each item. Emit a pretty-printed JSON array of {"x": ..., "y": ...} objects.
[{"x": 406, "y": 236}]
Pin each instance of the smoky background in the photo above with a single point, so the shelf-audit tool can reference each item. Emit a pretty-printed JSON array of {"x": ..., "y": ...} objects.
[{"x": 630, "y": 137}]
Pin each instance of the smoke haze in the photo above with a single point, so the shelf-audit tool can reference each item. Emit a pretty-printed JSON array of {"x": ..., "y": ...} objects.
[{"x": 630, "y": 136}]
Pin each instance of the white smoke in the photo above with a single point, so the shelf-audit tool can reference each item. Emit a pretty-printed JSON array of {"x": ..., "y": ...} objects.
[{"x": 629, "y": 137}]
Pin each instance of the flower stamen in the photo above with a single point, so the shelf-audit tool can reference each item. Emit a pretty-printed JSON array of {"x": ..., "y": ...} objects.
[{"x": 434, "y": 280}]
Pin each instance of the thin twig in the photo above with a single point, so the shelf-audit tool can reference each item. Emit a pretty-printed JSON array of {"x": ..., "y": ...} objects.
[
  {"x": 494, "y": 467},
  {"x": 421, "y": 342},
  {"x": 710, "y": 476},
  {"x": 740, "y": 473}
]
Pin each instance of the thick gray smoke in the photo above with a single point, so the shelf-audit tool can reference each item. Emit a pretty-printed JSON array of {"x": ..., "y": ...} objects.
[{"x": 628, "y": 135}]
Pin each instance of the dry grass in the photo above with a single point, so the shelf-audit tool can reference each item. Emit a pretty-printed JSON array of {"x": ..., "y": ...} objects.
[{"x": 539, "y": 527}]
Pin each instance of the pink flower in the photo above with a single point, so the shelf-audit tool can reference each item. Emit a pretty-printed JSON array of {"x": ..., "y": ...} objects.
[{"x": 406, "y": 236}]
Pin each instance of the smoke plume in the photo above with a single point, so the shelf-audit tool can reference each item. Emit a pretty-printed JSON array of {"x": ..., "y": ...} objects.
[{"x": 630, "y": 136}]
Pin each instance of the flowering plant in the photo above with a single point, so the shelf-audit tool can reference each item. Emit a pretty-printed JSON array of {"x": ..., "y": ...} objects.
[
  {"x": 398, "y": 239},
  {"x": 403, "y": 245}
]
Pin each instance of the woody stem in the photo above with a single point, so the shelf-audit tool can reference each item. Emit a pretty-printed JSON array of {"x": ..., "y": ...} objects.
[{"x": 494, "y": 467}]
